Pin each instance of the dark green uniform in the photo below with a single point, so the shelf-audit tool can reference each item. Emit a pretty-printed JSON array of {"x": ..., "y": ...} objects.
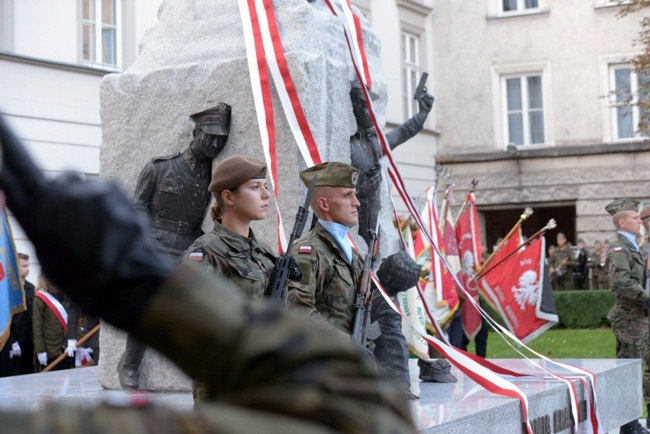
[
  {"x": 329, "y": 283},
  {"x": 246, "y": 262},
  {"x": 564, "y": 280},
  {"x": 49, "y": 336},
  {"x": 243, "y": 261},
  {"x": 629, "y": 318},
  {"x": 597, "y": 262},
  {"x": 266, "y": 370}
]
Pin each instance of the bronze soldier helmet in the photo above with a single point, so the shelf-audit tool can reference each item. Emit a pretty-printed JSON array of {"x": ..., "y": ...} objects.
[{"x": 214, "y": 121}]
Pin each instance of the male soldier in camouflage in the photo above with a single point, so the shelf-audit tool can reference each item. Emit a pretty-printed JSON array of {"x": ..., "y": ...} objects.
[
  {"x": 174, "y": 191},
  {"x": 644, "y": 215},
  {"x": 330, "y": 266},
  {"x": 560, "y": 265},
  {"x": 596, "y": 262},
  {"x": 629, "y": 315},
  {"x": 266, "y": 369},
  {"x": 365, "y": 153}
]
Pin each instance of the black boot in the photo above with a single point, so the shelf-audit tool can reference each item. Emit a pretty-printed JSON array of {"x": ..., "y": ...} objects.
[
  {"x": 129, "y": 365},
  {"x": 633, "y": 427}
]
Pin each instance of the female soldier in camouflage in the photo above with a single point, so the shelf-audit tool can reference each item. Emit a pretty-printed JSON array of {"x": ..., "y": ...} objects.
[{"x": 231, "y": 250}]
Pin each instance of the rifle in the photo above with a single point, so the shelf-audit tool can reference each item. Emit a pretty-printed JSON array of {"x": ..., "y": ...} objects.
[
  {"x": 285, "y": 266},
  {"x": 421, "y": 90},
  {"x": 364, "y": 292}
]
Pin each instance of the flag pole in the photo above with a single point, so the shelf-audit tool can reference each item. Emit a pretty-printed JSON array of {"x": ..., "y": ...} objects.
[
  {"x": 550, "y": 225},
  {"x": 464, "y": 205},
  {"x": 63, "y": 355},
  {"x": 528, "y": 211},
  {"x": 445, "y": 208}
]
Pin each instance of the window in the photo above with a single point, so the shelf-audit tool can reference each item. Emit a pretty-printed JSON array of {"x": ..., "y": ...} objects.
[
  {"x": 519, "y": 5},
  {"x": 100, "y": 32},
  {"x": 410, "y": 71},
  {"x": 524, "y": 109},
  {"x": 626, "y": 88}
]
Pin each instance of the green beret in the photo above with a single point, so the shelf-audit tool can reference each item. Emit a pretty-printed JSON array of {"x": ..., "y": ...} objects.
[
  {"x": 623, "y": 204},
  {"x": 234, "y": 171},
  {"x": 331, "y": 174},
  {"x": 215, "y": 120}
]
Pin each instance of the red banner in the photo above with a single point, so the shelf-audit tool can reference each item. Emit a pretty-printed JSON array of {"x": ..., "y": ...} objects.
[
  {"x": 516, "y": 287},
  {"x": 469, "y": 250}
]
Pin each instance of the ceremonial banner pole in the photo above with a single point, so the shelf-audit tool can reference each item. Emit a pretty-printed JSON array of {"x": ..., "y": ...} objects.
[
  {"x": 550, "y": 225},
  {"x": 464, "y": 205},
  {"x": 527, "y": 213},
  {"x": 83, "y": 339}
]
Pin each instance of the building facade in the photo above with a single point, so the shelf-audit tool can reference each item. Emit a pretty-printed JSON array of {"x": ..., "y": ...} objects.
[
  {"x": 52, "y": 57},
  {"x": 49, "y": 79},
  {"x": 529, "y": 103}
]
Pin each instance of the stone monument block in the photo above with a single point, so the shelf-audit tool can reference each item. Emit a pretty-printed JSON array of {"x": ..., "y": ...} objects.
[{"x": 194, "y": 58}]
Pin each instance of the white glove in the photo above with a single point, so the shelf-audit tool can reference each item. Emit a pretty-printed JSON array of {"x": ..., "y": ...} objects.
[
  {"x": 11, "y": 354},
  {"x": 15, "y": 347},
  {"x": 72, "y": 347},
  {"x": 42, "y": 358}
]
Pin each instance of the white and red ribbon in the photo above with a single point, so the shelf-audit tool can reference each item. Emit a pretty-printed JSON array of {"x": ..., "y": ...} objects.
[
  {"x": 56, "y": 307},
  {"x": 259, "y": 23}
]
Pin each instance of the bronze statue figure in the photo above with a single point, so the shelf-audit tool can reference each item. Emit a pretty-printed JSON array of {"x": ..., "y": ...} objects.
[
  {"x": 174, "y": 191},
  {"x": 366, "y": 153}
]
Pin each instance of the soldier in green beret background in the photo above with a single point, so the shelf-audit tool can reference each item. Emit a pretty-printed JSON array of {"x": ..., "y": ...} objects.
[
  {"x": 232, "y": 250},
  {"x": 629, "y": 315},
  {"x": 330, "y": 266}
]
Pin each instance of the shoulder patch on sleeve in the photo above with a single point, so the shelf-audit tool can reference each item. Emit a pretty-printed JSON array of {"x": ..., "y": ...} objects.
[
  {"x": 195, "y": 256},
  {"x": 304, "y": 250},
  {"x": 618, "y": 249}
]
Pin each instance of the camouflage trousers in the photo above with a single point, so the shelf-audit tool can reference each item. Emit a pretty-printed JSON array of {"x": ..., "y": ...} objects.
[{"x": 637, "y": 351}]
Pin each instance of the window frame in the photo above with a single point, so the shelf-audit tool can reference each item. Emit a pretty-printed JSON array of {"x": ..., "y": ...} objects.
[
  {"x": 409, "y": 66},
  {"x": 499, "y": 76},
  {"x": 521, "y": 7},
  {"x": 614, "y": 105},
  {"x": 496, "y": 10},
  {"x": 99, "y": 26}
]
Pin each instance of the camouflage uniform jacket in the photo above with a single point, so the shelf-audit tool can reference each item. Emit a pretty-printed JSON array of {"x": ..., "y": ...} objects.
[
  {"x": 625, "y": 271},
  {"x": 246, "y": 262},
  {"x": 266, "y": 370},
  {"x": 329, "y": 283},
  {"x": 560, "y": 255},
  {"x": 174, "y": 190}
]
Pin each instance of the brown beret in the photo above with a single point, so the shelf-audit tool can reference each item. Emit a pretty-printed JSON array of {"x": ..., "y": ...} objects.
[
  {"x": 645, "y": 212},
  {"x": 234, "y": 171},
  {"x": 215, "y": 120},
  {"x": 331, "y": 174},
  {"x": 623, "y": 204}
]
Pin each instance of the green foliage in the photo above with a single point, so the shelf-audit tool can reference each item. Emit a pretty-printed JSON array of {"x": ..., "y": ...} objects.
[
  {"x": 583, "y": 309},
  {"x": 576, "y": 309},
  {"x": 560, "y": 344}
]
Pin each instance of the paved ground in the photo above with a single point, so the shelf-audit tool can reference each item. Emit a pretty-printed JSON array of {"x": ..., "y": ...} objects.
[{"x": 80, "y": 386}]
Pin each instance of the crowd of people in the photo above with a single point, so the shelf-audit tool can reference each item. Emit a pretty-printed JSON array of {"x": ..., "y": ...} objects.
[
  {"x": 577, "y": 267},
  {"x": 50, "y": 326}
]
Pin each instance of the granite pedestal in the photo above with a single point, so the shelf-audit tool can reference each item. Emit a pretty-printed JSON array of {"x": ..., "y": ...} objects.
[{"x": 462, "y": 407}]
